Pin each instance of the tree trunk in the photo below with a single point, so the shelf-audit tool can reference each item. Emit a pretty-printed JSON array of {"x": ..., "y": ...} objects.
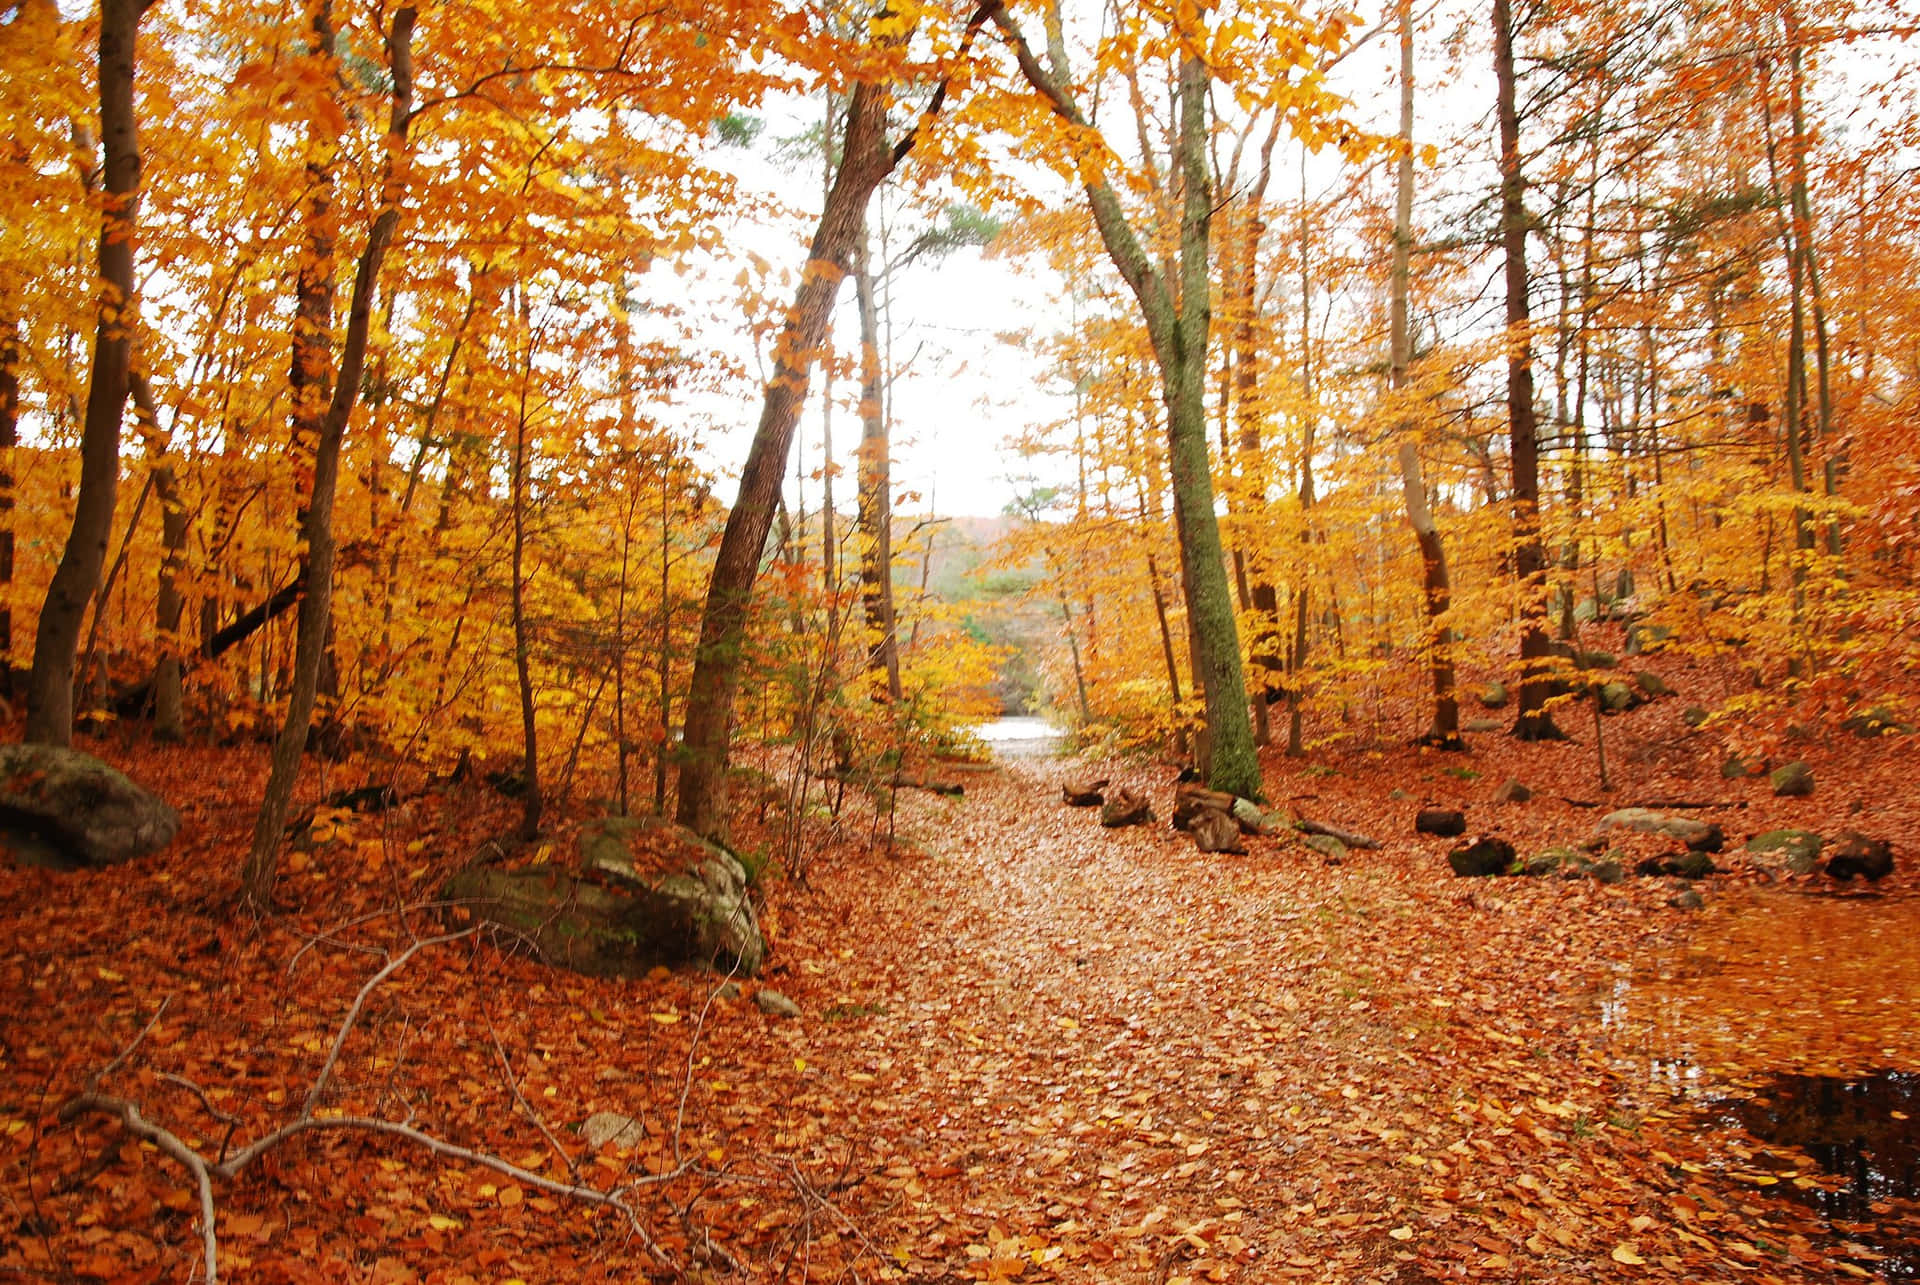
[
  {"x": 530, "y": 799},
  {"x": 706, "y": 736},
  {"x": 11, "y": 355},
  {"x": 1529, "y": 554},
  {"x": 1443, "y": 731},
  {"x": 316, "y": 523},
  {"x": 50, "y": 687},
  {"x": 1178, "y": 328},
  {"x": 876, "y": 486},
  {"x": 169, "y": 712}
]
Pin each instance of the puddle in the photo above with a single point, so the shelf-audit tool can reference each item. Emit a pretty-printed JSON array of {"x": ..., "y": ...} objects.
[{"x": 1780, "y": 1020}]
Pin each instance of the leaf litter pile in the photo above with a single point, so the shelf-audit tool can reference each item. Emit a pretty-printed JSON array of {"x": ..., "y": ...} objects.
[{"x": 1029, "y": 1048}]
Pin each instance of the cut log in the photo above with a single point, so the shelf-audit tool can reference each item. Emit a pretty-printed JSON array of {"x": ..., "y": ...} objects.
[
  {"x": 1125, "y": 808},
  {"x": 1444, "y": 822},
  {"x": 868, "y": 780},
  {"x": 1215, "y": 832},
  {"x": 1190, "y": 800},
  {"x": 1084, "y": 794}
]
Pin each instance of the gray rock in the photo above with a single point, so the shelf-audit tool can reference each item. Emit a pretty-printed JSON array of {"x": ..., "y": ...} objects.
[
  {"x": 704, "y": 889},
  {"x": 1616, "y": 697},
  {"x": 731, "y": 990},
  {"x": 1253, "y": 818},
  {"x": 1494, "y": 696},
  {"x": 1512, "y": 791},
  {"x": 1608, "y": 871},
  {"x": 1686, "y": 899},
  {"x": 1695, "y": 715},
  {"x": 1786, "y": 851},
  {"x": 1736, "y": 768},
  {"x": 603, "y": 1127},
  {"x": 71, "y": 811},
  {"x": 1482, "y": 725},
  {"x": 1700, "y": 836},
  {"x": 686, "y": 902},
  {"x": 1327, "y": 846},
  {"x": 773, "y": 1003},
  {"x": 1793, "y": 781},
  {"x": 1651, "y": 684}
]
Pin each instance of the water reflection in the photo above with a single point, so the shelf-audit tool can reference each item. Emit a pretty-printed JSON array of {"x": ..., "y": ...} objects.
[{"x": 1781, "y": 1018}]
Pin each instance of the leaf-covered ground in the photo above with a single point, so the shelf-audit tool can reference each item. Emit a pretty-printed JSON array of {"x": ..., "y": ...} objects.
[{"x": 1030, "y": 1048}]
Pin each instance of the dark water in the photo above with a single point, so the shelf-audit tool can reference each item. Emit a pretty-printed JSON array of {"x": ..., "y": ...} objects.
[
  {"x": 1790, "y": 1019},
  {"x": 1865, "y": 1132}
]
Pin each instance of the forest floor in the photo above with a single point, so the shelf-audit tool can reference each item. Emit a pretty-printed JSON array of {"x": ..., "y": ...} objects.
[{"x": 1029, "y": 1047}]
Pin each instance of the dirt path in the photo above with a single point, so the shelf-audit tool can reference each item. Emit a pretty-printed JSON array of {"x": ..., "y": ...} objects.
[{"x": 1103, "y": 1056}]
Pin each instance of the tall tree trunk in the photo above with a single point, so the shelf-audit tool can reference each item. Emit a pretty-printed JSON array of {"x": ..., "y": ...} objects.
[
  {"x": 11, "y": 356},
  {"x": 1177, "y": 314},
  {"x": 866, "y": 160},
  {"x": 530, "y": 798},
  {"x": 1529, "y": 554},
  {"x": 50, "y": 687},
  {"x": 1443, "y": 731},
  {"x": 876, "y": 485},
  {"x": 316, "y": 522},
  {"x": 169, "y": 711}
]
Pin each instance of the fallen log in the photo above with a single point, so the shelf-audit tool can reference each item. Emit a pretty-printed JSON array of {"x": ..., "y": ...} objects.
[
  {"x": 1351, "y": 838},
  {"x": 869, "y": 780},
  {"x": 1083, "y": 794}
]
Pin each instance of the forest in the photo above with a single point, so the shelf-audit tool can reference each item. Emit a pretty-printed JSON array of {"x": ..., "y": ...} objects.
[{"x": 493, "y": 790}]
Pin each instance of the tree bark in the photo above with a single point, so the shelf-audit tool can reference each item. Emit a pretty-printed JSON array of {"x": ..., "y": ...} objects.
[
  {"x": 530, "y": 798},
  {"x": 1443, "y": 731},
  {"x": 169, "y": 710},
  {"x": 866, "y": 160},
  {"x": 1523, "y": 446},
  {"x": 11, "y": 356},
  {"x": 1177, "y": 314},
  {"x": 316, "y": 524},
  {"x": 876, "y": 485},
  {"x": 50, "y": 687}
]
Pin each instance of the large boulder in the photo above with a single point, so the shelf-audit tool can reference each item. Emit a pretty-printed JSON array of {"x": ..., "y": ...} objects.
[
  {"x": 647, "y": 892},
  {"x": 1700, "y": 836},
  {"x": 1786, "y": 851},
  {"x": 68, "y": 810}
]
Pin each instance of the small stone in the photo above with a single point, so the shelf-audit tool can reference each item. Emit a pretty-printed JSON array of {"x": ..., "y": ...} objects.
[
  {"x": 1793, "y": 781},
  {"x": 1786, "y": 851},
  {"x": 1695, "y": 715},
  {"x": 1487, "y": 855},
  {"x": 1512, "y": 791},
  {"x": 1686, "y": 899},
  {"x": 1651, "y": 684},
  {"x": 1692, "y": 865},
  {"x": 1398, "y": 795},
  {"x": 1855, "y": 854},
  {"x": 1608, "y": 871},
  {"x": 1444, "y": 822},
  {"x": 1615, "y": 697},
  {"x": 1327, "y": 846},
  {"x": 730, "y": 991},
  {"x": 603, "y": 1127},
  {"x": 1494, "y": 696},
  {"x": 1735, "y": 768},
  {"x": 1481, "y": 725},
  {"x": 774, "y": 1004}
]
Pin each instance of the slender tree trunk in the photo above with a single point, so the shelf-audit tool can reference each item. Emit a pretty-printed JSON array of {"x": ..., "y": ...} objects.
[
  {"x": 1529, "y": 554},
  {"x": 866, "y": 160},
  {"x": 876, "y": 485},
  {"x": 530, "y": 798},
  {"x": 50, "y": 687},
  {"x": 169, "y": 710},
  {"x": 316, "y": 524},
  {"x": 11, "y": 357},
  {"x": 1443, "y": 731},
  {"x": 1177, "y": 313}
]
